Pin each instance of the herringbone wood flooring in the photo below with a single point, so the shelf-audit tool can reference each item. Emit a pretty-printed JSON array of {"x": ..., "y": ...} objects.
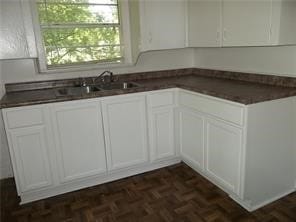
[{"x": 175, "y": 193}]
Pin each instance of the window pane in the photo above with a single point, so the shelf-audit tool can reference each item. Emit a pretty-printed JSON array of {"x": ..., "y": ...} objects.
[
  {"x": 67, "y": 56},
  {"x": 79, "y": 31},
  {"x": 75, "y": 13},
  {"x": 69, "y": 37}
]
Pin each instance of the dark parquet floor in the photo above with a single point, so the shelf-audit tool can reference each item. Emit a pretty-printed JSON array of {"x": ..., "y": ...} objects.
[{"x": 175, "y": 193}]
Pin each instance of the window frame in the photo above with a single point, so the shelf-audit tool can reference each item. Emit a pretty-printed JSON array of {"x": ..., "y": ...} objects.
[{"x": 125, "y": 36}]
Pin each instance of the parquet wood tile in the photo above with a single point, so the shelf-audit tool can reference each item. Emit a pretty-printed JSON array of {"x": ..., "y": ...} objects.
[{"x": 175, "y": 193}]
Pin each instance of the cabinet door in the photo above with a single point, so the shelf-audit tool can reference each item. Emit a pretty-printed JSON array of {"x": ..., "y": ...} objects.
[
  {"x": 125, "y": 128},
  {"x": 30, "y": 149},
  {"x": 204, "y": 23},
  {"x": 246, "y": 23},
  {"x": 162, "y": 24},
  {"x": 162, "y": 133},
  {"x": 192, "y": 138},
  {"x": 80, "y": 140},
  {"x": 283, "y": 22},
  {"x": 223, "y": 154}
]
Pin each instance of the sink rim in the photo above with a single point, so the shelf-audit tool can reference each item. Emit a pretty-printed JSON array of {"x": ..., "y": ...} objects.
[{"x": 78, "y": 90}]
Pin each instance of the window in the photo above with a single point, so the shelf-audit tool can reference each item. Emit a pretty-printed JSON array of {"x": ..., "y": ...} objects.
[{"x": 76, "y": 32}]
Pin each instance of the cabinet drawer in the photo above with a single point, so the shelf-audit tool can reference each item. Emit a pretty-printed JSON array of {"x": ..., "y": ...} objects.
[
  {"x": 165, "y": 98},
  {"x": 24, "y": 117},
  {"x": 220, "y": 109}
]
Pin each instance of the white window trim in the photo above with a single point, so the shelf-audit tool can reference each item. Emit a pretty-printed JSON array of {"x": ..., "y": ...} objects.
[{"x": 125, "y": 32}]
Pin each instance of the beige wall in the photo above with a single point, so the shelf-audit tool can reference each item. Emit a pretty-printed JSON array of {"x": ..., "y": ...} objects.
[{"x": 264, "y": 60}]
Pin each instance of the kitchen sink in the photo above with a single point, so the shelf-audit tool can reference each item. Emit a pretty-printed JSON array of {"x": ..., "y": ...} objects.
[{"x": 79, "y": 90}]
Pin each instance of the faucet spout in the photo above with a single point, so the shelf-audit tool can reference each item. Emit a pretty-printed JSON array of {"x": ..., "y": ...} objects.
[{"x": 105, "y": 77}]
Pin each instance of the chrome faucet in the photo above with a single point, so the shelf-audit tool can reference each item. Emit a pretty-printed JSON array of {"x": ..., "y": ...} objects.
[{"x": 106, "y": 77}]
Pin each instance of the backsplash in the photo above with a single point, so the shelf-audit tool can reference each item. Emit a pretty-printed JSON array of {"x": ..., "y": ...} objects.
[{"x": 248, "y": 77}]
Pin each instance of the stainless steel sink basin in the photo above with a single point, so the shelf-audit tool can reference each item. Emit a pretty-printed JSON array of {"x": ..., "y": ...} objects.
[
  {"x": 74, "y": 91},
  {"x": 119, "y": 85},
  {"x": 80, "y": 90},
  {"x": 89, "y": 89}
]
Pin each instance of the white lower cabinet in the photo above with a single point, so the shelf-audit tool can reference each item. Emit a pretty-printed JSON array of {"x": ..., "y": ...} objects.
[
  {"x": 211, "y": 147},
  {"x": 242, "y": 149},
  {"x": 79, "y": 137},
  {"x": 30, "y": 149},
  {"x": 125, "y": 127},
  {"x": 29, "y": 145},
  {"x": 162, "y": 143},
  {"x": 248, "y": 151},
  {"x": 223, "y": 154},
  {"x": 191, "y": 137},
  {"x": 208, "y": 144},
  {"x": 161, "y": 113}
]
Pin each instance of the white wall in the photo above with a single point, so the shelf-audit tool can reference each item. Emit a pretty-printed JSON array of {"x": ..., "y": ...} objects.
[
  {"x": 5, "y": 165},
  {"x": 280, "y": 60},
  {"x": 22, "y": 70},
  {"x": 16, "y": 39}
]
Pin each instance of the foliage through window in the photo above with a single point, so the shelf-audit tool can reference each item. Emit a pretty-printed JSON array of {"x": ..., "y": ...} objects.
[{"x": 79, "y": 31}]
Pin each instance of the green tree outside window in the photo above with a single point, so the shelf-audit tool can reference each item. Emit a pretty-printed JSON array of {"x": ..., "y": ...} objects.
[{"x": 79, "y": 31}]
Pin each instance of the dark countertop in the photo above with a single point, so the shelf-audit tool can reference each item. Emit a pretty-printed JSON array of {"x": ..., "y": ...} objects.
[{"x": 243, "y": 92}]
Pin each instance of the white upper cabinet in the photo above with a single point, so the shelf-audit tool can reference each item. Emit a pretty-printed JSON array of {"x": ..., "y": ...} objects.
[
  {"x": 283, "y": 29},
  {"x": 246, "y": 23},
  {"x": 204, "y": 23},
  {"x": 228, "y": 23},
  {"x": 162, "y": 24}
]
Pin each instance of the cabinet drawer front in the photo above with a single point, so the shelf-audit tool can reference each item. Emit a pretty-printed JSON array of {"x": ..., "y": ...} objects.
[
  {"x": 24, "y": 117},
  {"x": 161, "y": 99},
  {"x": 223, "y": 110}
]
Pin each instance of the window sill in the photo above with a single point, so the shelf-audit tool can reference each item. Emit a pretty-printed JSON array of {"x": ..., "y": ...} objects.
[{"x": 86, "y": 67}]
